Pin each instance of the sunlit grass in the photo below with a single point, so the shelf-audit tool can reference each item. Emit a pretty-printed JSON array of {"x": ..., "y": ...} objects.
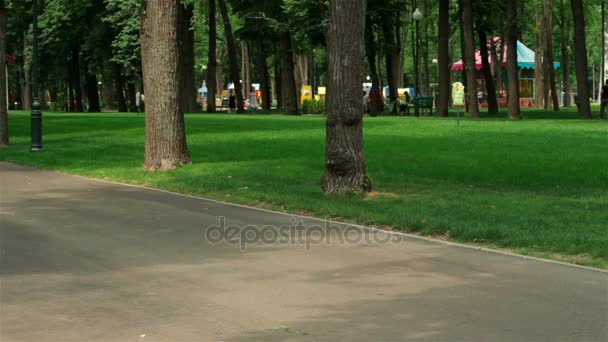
[{"x": 536, "y": 186}]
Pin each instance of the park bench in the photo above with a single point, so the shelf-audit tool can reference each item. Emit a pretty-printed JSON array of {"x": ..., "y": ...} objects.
[{"x": 423, "y": 102}]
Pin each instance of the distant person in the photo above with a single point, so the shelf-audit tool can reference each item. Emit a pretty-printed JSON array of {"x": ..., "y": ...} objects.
[
  {"x": 253, "y": 100},
  {"x": 404, "y": 107},
  {"x": 232, "y": 101},
  {"x": 604, "y": 101}
]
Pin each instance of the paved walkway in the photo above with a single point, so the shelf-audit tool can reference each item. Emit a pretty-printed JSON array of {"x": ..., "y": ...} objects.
[{"x": 83, "y": 260}]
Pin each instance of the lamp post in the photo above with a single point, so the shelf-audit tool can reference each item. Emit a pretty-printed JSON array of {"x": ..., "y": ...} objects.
[
  {"x": 435, "y": 62},
  {"x": 36, "y": 113},
  {"x": 417, "y": 15}
]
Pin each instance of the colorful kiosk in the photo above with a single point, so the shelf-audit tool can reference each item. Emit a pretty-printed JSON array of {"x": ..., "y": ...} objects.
[{"x": 526, "y": 61}]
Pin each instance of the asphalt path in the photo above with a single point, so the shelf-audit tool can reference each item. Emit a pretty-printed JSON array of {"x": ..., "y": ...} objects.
[{"x": 85, "y": 260}]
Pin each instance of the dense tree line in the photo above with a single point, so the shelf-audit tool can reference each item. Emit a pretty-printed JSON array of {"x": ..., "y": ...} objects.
[{"x": 101, "y": 53}]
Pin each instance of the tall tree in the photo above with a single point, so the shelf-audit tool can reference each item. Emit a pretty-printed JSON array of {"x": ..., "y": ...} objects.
[
  {"x": 375, "y": 105},
  {"x": 470, "y": 67},
  {"x": 443, "y": 55},
  {"x": 512, "y": 67},
  {"x": 565, "y": 62},
  {"x": 166, "y": 146},
  {"x": 392, "y": 53},
  {"x": 539, "y": 69},
  {"x": 187, "y": 58},
  {"x": 212, "y": 57},
  {"x": 548, "y": 20},
  {"x": 603, "y": 63},
  {"x": 264, "y": 76},
  {"x": 580, "y": 56},
  {"x": 288, "y": 80},
  {"x": 232, "y": 56},
  {"x": 487, "y": 71},
  {"x": 345, "y": 168},
  {"x": 4, "y": 140}
]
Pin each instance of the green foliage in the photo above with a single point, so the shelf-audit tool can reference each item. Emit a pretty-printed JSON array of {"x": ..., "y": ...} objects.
[
  {"x": 313, "y": 107},
  {"x": 124, "y": 18}
]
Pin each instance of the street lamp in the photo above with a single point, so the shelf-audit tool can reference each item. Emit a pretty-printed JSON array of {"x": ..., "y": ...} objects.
[
  {"x": 417, "y": 15},
  {"x": 36, "y": 113},
  {"x": 436, "y": 63}
]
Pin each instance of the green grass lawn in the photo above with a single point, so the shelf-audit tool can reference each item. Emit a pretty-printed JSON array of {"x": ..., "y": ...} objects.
[{"x": 537, "y": 187}]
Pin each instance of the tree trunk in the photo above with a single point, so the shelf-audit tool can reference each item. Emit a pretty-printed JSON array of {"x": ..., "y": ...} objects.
[
  {"x": 232, "y": 56},
  {"x": 288, "y": 80},
  {"x": 512, "y": 67},
  {"x": 187, "y": 59},
  {"x": 470, "y": 69},
  {"x": 443, "y": 62},
  {"x": 212, "y": 58},
  {"x": 487, "y": 71},
  {"x": 166, "y": 146},
  {"x": 4, "y": 138},
  {"x": 565, "y": 63},
  {"x": 264, "y": 76},
  {"x": 131, "y": 94},
  {"x": 77, "y": 87},
  {"x": 548, "y": 14},
  {"x": 603, "y": 63},
  {"x": 26, "y": 89},
  {"x": 92, "y": 92},
  {"x": 277, "y": 81},
  {"x": 391, "y": 50},
  {"x": 375, "y": 104},
  {"x": 71, "y": 103},
  {"x": 245, "y": 67},
  {"x": 345, "y": 169},
  {"x": 580, "y": 55},
  {"x": 119, "y": 86},
  {"x": 539, "y": 70}
]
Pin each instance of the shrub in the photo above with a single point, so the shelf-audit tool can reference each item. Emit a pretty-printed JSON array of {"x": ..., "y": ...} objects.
[{"x": 313, "y": 107}]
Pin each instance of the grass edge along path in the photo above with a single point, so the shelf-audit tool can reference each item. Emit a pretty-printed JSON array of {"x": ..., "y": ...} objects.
[{"x": 433, "y": 178}]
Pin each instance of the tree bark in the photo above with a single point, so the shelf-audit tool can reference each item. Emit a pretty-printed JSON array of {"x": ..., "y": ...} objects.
[
  {"x": 278, "y": 84},
  {"x": 487, "y": 71},
  {"x": 77, "y": 87},
  {"x": 4, "y": 133},
  {"x": 288, "y": 80},
  {"x": 548, "y": 14},
  {"x": 187, "y": 58},
  {"x": 539, "y": 69},
  {"x": 565, "y": 65},
  {"x": 119, "y": 86},
  {"x": 375, "y": 104},
  {"x": 232, "y": 56},
  {"x": 345, "y": 168},
  {"x": 245, "y": 67},
  {"x": 470, "y": 69},
  {"x": 580, "y": 55},
  {"x": 92, "y": 92},
  {"x": 512, "y": 67},
  {"x": 391, "y": 49},
  {"x": 166, "y": 146},
  {"x": 212, "y": 58},
  {"x": 131, "y": 94},
  {"x": 26, "y": 89},
  {"x": 443, "y": 62},
  {"x": 264, "y": 76}
]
